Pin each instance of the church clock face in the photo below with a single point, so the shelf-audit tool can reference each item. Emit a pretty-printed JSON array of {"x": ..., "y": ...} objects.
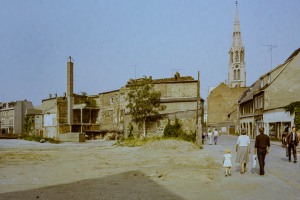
[{"x": 236, "y": 66}]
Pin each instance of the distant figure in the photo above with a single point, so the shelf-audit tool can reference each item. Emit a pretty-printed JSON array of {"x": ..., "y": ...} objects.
[
  {"x": 216, "y": 135},
  {"x": 203, "y": 136},
  {"x": 243, "y": 150},
  {"x": 284, "y": 135},
  {"x": 292, "y": 143},
  {"x": 210, "y": 139},
  {"x": 262, "y": 147},
  {"x": 227, "y": 162}
]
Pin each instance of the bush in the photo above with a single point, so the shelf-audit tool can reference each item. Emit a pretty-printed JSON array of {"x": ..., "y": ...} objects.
[{"x": 176, "y": 131}]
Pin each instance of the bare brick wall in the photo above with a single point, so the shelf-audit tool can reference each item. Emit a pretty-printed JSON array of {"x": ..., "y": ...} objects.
[{"x": 221, "y": 103}]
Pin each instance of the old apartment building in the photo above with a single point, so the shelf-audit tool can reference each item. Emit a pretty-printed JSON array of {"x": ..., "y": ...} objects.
[
  {"x": 262, "y": 105},
  {"x": 178, "y": 94},
  {"x": 12, "y": 116},
  {"x": 35, "y": 118}
]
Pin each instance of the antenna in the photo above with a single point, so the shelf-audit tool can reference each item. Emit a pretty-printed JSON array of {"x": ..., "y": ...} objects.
[
  {"x": 134, "y": 72},
  {"x": 271, "y": 47}
]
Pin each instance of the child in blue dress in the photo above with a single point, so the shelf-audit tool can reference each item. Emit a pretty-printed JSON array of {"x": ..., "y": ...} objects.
[{"x": 227, "y": 162}]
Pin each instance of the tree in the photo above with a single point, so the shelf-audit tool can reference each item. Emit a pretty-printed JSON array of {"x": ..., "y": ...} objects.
[
  {"x": 144, "y": 101},
  {"x": 28, "y": 124},
  {"x": 294, "y": 108}
]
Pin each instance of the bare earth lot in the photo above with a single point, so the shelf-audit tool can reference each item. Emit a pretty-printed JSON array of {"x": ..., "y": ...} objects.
[{"x": 167, "y": 169}]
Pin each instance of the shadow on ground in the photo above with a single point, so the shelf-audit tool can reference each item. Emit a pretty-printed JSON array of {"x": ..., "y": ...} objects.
[{"x": 128, "y": 185}]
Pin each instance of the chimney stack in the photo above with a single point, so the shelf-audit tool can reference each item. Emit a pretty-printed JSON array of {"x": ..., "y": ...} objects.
[{"x": 70, "y": 91}]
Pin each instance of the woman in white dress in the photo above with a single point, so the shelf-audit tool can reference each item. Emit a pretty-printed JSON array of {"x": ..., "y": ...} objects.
[{"x": 243, "y": 150}]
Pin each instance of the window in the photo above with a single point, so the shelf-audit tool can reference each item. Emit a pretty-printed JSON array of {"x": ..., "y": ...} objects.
[
  {"x": 122, "y": 114},
  {"x": 259, "y": 102},
  {"x": 236, "y": 56},
  {"x": 234, "y": 75},
  {"x": 242, "y": 56},
  {"x": 122, "y": 98},
  {"x": 111, "y": 100}
]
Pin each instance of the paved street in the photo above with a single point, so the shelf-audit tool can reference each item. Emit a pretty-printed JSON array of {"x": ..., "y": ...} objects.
[{"x": 281, "y": 181}]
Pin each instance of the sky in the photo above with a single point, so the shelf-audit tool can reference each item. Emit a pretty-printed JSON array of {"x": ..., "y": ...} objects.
[{"x": 112, "y": 41}]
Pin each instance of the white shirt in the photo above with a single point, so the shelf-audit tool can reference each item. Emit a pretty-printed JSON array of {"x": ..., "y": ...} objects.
[
  {"x": 216, "y": 133},
  {"x": 293, "y": 136},
  {"x": 243, "y": 140}
]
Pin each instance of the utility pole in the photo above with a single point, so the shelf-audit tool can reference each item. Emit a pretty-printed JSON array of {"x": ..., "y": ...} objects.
[{"x": 271, "y": 47}]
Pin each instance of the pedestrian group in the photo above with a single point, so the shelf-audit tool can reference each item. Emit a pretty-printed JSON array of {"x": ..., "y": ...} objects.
[{"x": 261, "y": 149}]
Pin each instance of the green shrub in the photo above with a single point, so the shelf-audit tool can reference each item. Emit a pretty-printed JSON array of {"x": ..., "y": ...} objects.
[{"x": 175, "y": 131}]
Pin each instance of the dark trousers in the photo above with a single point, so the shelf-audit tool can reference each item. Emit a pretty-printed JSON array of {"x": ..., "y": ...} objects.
[
  {"x": 261, "y": 155},
  {"x": 294, "y": 148}
]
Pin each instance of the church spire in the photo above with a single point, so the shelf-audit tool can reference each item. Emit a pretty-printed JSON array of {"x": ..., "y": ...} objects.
[
  {"x": 237, "y": 68},
  {"x": 237, "y": 37}
]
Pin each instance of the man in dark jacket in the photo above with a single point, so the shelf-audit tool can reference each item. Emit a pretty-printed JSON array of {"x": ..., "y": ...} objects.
[
  {"x": 292, "y": 143},
  {"x": 262, "y": 147}
]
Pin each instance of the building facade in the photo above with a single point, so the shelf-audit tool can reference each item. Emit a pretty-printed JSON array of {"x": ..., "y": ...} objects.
[
  {"x": 222, "y": 105},
  {"x": 178, "y": 94},
  {"x": 12, "y": 116},
  {"x": 263, "y": 104}
]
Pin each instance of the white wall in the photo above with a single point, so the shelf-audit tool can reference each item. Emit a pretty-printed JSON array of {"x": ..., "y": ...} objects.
[
  {"x": 278, "y": 115},
  {"x": 50, "y": 120}
]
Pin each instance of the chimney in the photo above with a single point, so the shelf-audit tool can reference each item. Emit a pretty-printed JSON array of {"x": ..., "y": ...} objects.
[{"x": 70, "y": 90}]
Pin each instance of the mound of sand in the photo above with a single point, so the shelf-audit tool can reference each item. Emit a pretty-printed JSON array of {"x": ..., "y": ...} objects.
[{"x": 170, "y": 144}]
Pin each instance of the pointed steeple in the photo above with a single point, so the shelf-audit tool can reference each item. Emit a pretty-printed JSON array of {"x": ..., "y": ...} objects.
[
  {"x": 237, "y": 68},
  {"x": 237, "y": 37}
]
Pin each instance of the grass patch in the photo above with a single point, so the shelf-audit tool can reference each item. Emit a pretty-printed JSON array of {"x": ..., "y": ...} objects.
[
  {"x": 136, "y": 142},
  {"x": 38, "y": 138}
]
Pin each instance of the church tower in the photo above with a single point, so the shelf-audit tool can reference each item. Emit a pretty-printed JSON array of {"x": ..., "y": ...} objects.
[{"x": 237, "y": 68}]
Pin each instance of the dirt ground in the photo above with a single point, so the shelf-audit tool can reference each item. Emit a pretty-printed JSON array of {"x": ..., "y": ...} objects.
[
  {"x": 98, "y": 169},
  {"x": 101, "y": 170}
]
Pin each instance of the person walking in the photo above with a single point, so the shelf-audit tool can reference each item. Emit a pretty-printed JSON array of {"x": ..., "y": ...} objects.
[
  {"x": 262, "y": 147},
  {"x": 227, "y": 162},
  {"x": 203, "y": 136},
  {"x": 243, "y": 150},
  {"x": 216, "y": 135},
  {"x": 292, "y": 143},
  {"x": 210, "y": 137}
]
